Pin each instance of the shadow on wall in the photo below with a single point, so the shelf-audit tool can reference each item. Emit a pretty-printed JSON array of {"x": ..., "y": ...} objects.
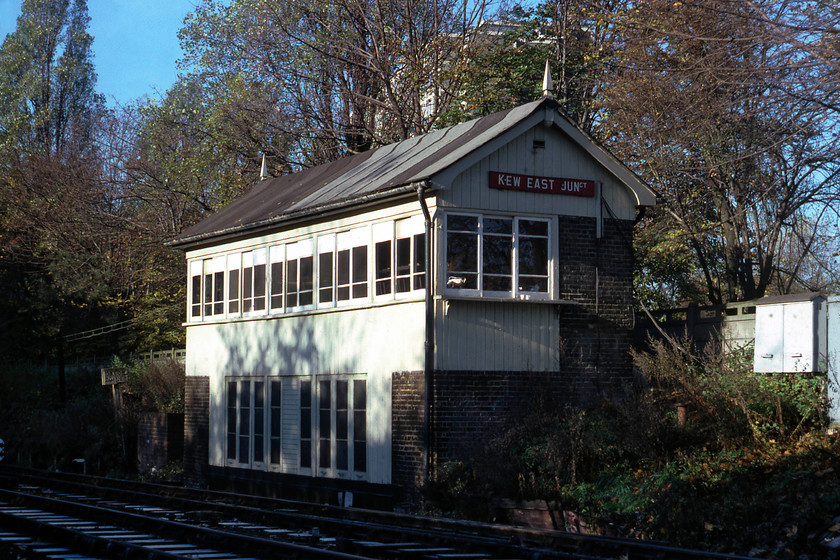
[{"x": 344, "y": 342}]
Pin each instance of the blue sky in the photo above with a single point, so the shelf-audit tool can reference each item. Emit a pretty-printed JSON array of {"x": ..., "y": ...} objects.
[{"x": 135, "y": 43}]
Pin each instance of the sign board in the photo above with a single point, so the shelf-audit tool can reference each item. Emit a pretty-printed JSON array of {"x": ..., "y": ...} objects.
[
  {"x": 547, "y": 185},
  {"x": 114, "y": 375}
]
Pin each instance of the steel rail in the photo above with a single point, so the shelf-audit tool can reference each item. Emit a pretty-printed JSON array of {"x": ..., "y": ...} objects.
[
  {"x": 192, "y": 534},
  {"x": 354, "y": 524}
]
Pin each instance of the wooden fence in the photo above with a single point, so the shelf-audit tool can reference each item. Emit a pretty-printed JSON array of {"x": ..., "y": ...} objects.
[{"x": 733, "y": 324}]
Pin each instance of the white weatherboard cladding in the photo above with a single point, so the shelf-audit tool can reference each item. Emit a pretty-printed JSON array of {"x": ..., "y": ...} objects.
[
  {"x": 373, "y": 341},
  {"x": 496, "y": 336},
  {"x": 560, "y": 158}
]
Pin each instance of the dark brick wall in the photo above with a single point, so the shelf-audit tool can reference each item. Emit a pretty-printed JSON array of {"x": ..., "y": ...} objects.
[
  {"x": 160, "y": 440},
  {"x": 196, "y": 430},
  {"x": 595, "y": 334},
  {"x": 407, "y": 415}
]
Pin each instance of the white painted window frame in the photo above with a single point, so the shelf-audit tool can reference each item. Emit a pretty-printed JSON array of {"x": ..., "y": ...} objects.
[{"x": 480, "y": 292}]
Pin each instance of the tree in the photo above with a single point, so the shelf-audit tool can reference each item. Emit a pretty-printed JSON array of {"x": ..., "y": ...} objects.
[
  {"x": 55, "y": 248},
  {"x": 348, "y": 74},
  {"x": 508, "y": 59},
  {"x": 736, "y": 126}
]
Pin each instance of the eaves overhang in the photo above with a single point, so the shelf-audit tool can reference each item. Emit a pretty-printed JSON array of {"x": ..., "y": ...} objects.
[{"x": 323, "y": 211}]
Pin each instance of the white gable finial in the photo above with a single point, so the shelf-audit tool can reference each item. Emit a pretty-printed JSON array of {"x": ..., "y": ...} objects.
[
  {"x": 548, "y": 87},
  {"x": 263, "y": 170}
]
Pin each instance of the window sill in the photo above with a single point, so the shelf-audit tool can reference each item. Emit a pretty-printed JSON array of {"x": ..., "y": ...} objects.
[
  {"x": 308, "y": 312},
  {"x": 496, "y": 299}
]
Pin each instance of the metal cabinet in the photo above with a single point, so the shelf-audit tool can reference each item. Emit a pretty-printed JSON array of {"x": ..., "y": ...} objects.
[{"x": 790, "y": 333}]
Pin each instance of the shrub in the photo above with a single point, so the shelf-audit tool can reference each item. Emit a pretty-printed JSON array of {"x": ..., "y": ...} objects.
[
  {"x": 730, "y": 403},
  {"x": 155, "y": 386},
  {"x": 747, "y": 452}
]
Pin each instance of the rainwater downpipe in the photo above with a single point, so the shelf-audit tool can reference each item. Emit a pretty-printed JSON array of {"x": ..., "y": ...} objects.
[{"x": 429, "y": 359}]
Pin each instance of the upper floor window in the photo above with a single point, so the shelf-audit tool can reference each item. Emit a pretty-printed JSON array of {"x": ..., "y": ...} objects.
[
  {"x": 381, "y": 262},
  {"x": 497, "y": 256},
  {"x": 352, "y": 265},
  {"x": 253, "y": 281}
]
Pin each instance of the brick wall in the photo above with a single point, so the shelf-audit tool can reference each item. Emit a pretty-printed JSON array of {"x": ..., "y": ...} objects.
[
  {"x": 407, "y": 410},
  {"x": 160, "y": 440},
  {"x": 196, "y": 430},
  {"x": 595, "y": 335}
]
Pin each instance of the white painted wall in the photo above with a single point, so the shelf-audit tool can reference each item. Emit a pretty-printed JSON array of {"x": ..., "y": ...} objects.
[{"x": 374, "y": 341}]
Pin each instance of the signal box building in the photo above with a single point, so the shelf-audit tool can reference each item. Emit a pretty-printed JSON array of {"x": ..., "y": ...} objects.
[{"x": 355, "y": 324}]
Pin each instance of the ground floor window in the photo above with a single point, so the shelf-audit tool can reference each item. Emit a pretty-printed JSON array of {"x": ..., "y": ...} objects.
[
  {"x": 246, "y": 422},
  {"x": 310, "y": 425},
  {"x": 342, "y": 426}
]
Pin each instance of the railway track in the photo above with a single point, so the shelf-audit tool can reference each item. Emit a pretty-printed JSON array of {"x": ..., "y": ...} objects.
[{"x": 61, "y": 515}]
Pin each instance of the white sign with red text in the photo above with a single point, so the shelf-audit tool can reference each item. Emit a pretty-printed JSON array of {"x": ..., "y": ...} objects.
[{"x": 547, "y": 185}]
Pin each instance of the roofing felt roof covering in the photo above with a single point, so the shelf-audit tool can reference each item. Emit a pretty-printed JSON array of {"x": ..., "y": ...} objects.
[{"x": 380, "y": 173}]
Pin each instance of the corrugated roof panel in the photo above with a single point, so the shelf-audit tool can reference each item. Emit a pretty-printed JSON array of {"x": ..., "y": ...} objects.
[{"x": 355, "y": 178}]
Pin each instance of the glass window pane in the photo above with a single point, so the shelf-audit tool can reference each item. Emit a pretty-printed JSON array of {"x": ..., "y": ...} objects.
[
  {"x": 275, "y": 423},
  {"x": 324, "y": 459},
  {"x": 196, "y": 296},
  {"x": 306, "y": 424},
  {"x": 359, "y": 264},
  {"x": 259, "y": 287},
  {"x": 218, "y": 293},
  {"x": 307, "y": 280},
  {"x": 382, "y": 260},
  {"x": 341, "y": 455},
  {"x": 359, "y": 456},
  {"x": 341, "y": 388},
  {"x": 420, "y": 253},
  {"x": 291, "y": 283},
  {"x": 533, "y": 227},
  {"x": 498, "y": 225},
  {"x": 325, "y": 277},
  {"x": 462, "y": 252},
  {"x": 498, "y": 255},
  {"x": 341, "y": 426},
  {"x": 343, "y": 275},
  {"x": 233, "y": 291},
  {"x": 344, "y": 267},
  {"x": 462, "y": 280},
  {"x": 492, "y": 283},
  {"x": 306, "y": 454},
  {"x": 359, "y": 394},
  {"x": 533, "y": 284},
  {"x": 276, "y": 285},
  {"x": 231, "y": 420},
  {"x": 403, "y": 256},
  {"x": 247, "y": 289},
  {"x": 455, "y": 222},
  {"x": 533, "y": 256},
  {"x": 208, "y": 294}
]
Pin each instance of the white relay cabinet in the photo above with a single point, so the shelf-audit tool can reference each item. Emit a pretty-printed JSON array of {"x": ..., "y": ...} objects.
[{"x": 790, "y": 333}]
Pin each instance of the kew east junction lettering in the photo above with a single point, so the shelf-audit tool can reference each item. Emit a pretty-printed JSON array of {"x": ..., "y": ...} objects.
[{"x": 548, "y": 185}]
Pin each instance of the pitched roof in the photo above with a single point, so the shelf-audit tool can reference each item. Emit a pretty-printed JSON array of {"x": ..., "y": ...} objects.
[{"x": 382, "y": 173}]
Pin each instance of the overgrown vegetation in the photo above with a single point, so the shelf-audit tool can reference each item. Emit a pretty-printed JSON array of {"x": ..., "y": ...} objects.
[
  {"x": 748, "y": 470},
  {"x": 41, "y": 431}
]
